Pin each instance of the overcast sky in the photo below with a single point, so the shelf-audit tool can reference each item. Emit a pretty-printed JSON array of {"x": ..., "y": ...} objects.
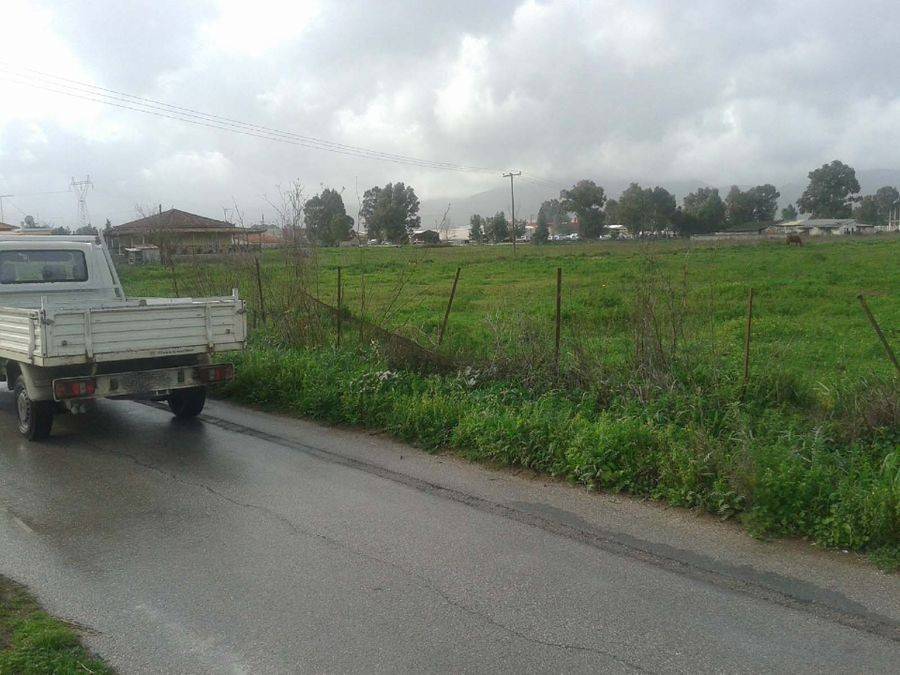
[{"x": 653, "y": 90}]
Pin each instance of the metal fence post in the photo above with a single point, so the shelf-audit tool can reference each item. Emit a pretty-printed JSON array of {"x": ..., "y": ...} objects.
[
  {"x": 747, "y": 343},
  {"x": 449, "y": 305},
  {"x": 558, "y": 314},
  {"x": 878, "y": 331}
]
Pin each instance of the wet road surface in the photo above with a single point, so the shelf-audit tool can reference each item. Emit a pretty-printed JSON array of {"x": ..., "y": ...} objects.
[{"x": 246, "y": 542}]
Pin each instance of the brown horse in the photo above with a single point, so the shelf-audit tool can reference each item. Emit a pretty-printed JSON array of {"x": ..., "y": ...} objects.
[{"x": 794, "y": 239}]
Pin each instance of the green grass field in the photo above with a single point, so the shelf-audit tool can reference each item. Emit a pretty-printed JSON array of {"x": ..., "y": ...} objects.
[
  {"x": 807, "y": 319},
  {"x": 649, "y": 395}
]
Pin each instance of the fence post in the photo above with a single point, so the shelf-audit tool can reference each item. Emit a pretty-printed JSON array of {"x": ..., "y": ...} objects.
[
  {"x": 259, "y": 292},
  {"x": 747, "y": 343},
  {"x": 558, "y": 314},
  {"x": 340, "y": 299},
  {"x": 449, "y": 305},
  {"x": 878, "y": 331}
]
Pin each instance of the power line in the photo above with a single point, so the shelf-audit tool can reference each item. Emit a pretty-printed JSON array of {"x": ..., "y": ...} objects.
[{"x": 85, "y": 91}]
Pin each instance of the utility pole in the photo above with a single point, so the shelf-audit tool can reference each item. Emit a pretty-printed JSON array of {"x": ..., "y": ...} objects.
[
  {"x": 512, "y": 193},
  {"x": 81, "y": 188}
]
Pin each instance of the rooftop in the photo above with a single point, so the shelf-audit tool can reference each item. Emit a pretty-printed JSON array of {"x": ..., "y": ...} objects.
[{"x": 173, "y": 220}]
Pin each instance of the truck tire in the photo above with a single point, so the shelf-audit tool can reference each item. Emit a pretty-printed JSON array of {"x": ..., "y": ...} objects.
[
  {"x": 187, "y": 403},
  {"x": 35, "y": 417}
]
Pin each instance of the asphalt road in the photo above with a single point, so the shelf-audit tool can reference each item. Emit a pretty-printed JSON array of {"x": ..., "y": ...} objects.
[{"x": 246, "y": 542}]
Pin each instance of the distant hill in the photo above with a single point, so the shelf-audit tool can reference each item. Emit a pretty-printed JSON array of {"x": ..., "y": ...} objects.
[{"x": 530, "y": 195}]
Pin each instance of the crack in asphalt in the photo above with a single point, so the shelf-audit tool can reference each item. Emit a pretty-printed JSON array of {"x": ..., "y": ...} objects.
[
  {"x": 423, "y": 581},
  {"x": 793, "y": 594}
]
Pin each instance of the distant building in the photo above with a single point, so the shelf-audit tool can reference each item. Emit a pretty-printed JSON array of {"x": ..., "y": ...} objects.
[
  {"x": 8, "y": 228},
  {"x": 178, "y": 232},
  {"x": 425, "y": 237},
  {"x": 816, "y": 227}
]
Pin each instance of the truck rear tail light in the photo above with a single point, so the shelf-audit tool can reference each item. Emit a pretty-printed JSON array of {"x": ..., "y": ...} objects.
[
  {"x": 74, "y": 388},
  {"x": 221, "y": 372}
]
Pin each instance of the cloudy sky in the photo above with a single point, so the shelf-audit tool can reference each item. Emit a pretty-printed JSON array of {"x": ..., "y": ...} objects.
[{"x": 653, "y": 90}]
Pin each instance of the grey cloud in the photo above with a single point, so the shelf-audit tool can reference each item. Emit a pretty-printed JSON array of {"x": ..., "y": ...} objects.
[{"x": 717, "y": 92}]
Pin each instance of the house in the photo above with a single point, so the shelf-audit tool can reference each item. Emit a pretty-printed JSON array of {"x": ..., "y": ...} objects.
[
  {"x": 817, "y": 227},
  {"x": 8, "y": 228},
  {"x": 178, "y": 232},
  {"x": 830, "y": 226},
  {"x": 425, "y": 237}
]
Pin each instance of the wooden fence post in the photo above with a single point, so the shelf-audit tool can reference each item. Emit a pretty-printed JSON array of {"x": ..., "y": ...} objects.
[
  {"x": 340, "y": 299},
  {"x": 449, "y": 305},
  {"x": 558, "y": 314},
  {"x": 879, "y": 332},
  {"x": 259, "y": 292},
  {"x": 747, "y": 343}
]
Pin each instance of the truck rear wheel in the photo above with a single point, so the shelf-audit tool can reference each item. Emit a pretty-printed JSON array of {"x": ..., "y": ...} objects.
[
  {"x": 187, "y": 403},
  {"x": 35, "y": 417}
]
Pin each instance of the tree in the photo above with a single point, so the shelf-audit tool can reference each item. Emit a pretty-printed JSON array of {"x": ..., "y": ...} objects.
[
  {"x": 634, "y": 209},
  {"x": 585, "y": 199},
  {"x": 645, "y": 210},
  {"x": 557, "y": 218},
  {"x": 476, "y": 229},
  {"x": 756, "y": 205},
  {"x": 542, "y": 231},
  {"x": 703, "y": 211},
  {"x": 831, "y": 191},
  {"x": 327, "y": 222},
  {"x": 789, "y": 212},
  {"x": 497, "y": 228},
  {"x": 764, "y": 202},
  {"x": 886, "y": 198},
  {"x": 611, "y": 212},
  {"x": 86, "y": 231},
  {"x": 867, "y": 211},
  {"x": 391, "y": 213},
  {"x": 662, "y": 206},
  {"x": 738, "y": 208}
]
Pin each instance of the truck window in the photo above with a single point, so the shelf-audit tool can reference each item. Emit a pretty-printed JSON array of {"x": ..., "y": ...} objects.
[{"x": 42, "y": 267}]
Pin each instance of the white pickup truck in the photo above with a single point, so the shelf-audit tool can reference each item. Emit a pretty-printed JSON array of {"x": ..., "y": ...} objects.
[{"x": 68, "y": 334}]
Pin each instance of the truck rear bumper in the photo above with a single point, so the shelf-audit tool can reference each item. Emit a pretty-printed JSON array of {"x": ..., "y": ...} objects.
[{"x": 141, "y": 383}]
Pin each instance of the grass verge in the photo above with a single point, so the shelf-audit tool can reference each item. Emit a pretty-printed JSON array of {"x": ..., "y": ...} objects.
[{"x": 32, "y": 642}]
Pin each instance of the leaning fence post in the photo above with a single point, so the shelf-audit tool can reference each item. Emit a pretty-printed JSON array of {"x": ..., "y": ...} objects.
[
  {"x": 340, "y": 300},
  {"x": 558, "y": 314},
  {"x": 878, "y": 331},
  {"x": 449, "y": 305},
  {"x": 747, "y": 343},
  {"x": 259, "y": 292}
]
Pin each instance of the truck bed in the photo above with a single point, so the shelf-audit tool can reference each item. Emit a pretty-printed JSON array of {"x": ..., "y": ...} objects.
[{"x": 132, "y": 329}]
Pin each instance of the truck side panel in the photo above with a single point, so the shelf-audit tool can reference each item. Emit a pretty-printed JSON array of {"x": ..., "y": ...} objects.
[
  {"x": 20, "y": 335},
  {"x": 99, "y": 332}
]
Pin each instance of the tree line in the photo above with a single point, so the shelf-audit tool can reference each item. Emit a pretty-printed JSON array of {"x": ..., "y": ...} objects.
[
  {"x": 390, "y": 214},
  {"x": 832, "y": 192}
]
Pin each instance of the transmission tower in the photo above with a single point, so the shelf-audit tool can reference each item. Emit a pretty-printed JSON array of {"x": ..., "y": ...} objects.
[{"x": 81, "y": 188}]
